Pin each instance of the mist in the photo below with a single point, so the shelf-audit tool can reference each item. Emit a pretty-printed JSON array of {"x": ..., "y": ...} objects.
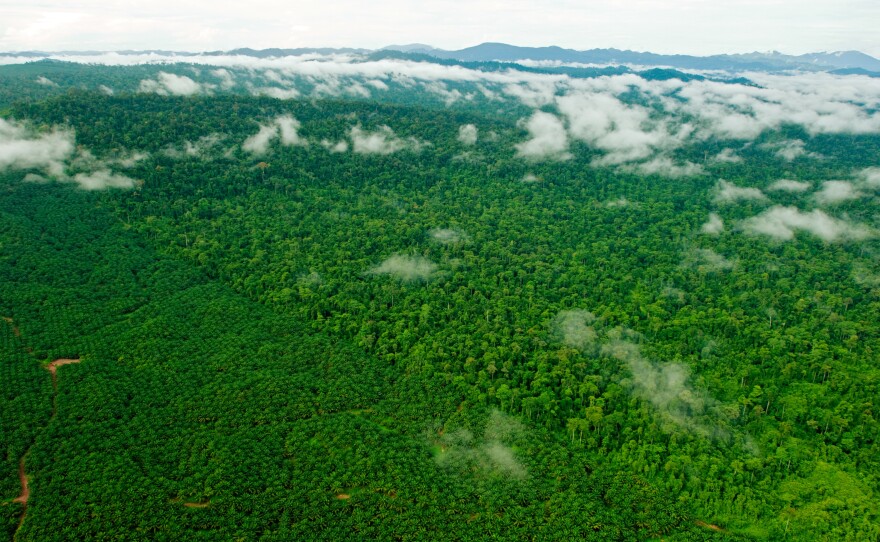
[
  {"x": 782, "y": 223},
  {"x": 406, "y": 268}
]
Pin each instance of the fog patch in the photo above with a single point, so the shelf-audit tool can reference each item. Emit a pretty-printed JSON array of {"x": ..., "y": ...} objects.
[
  {"x": 448, "y": 236},
  {"x": 547, "y": 138},
  {"x": 170, "y": 84},
  {"x": 467, "y": 134},
  {"x": 285, "y": 126},
  {"x": 382, "y": 141},
  {"x": 836, "y": 192},
  {"x": 338, "y": 146},
  {"x": 713, "y": 226},
  {"x": 726, "y": 192},
  {"x": 782, "y": 223},
  {"x": 870, "y": 177},
  {"x": 227, "y": 80},
  {"x": 193, "y": 149},
  {"x": 492, "y": 454},
  {"x": 665, "y": 167},
  {"x": 574, "y": 328},
  {"x": 728, "y": 156},
  {"x": 406, "y": 268},
  {"x": 45, "y": 81},
  {"x": 101, "y": 179},
  {"x": 790, "y": 149},
  {"x": 705, "y": 260},
  {"x": 22, "y": 148},
  {"x": 789, "y": 185},
  {"x": 104, "y": 89}
]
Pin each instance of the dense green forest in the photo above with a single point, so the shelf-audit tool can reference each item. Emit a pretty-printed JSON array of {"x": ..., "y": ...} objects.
[{"x": 386, "y": 317}]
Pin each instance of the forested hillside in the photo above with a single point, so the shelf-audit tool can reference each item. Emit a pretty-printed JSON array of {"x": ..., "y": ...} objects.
[{"x": 548, "y": 307}]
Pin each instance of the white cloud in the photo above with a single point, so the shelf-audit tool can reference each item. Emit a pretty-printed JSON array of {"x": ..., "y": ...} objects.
[
  {"x": 870, "y": 177},
  {"x": 548, "y": 138},
  {"x": 22, "y": 148},
  {"x": 783, "y": 222},
  {"x": 706, "y": 260},
  {"x": 227, "y": 80},
  {"x": 714, "y": 225},
  {"x": 169, "y": 83},
  {"x": 259, "y": 142},
  {"x": 381, "y": 141},
  {"x": 406, "y": 268},
  {"x": 729, "y": 156},
  {"x": 788, "y": 185},
  {"x": 43, "y": 80},
  {"x": 284, "y": 125},
  {"x": 790, "y": 149},
  {"x": 836, "y": 192},
  {"x": 339, "y": 146},
  {"x": 726, "y": 192},
  {"x": 101, "y": 179},
  {"x": 448, "y": 236},
  {"x": 467, "y": 134}
]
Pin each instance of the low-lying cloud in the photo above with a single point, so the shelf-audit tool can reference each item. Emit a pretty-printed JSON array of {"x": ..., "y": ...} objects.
[
  {"x": 726, "y": 192},
  {"x": 285, "y": 126},
  {"x": 547, "y": 138},
  {"x": 789, "y": 185},
  {"x": 171, "y": 84},
  {"x": 467, "y": 134},
  {"x": 53, "y": 153},
  {"x": 836, "y": 192},
  {"x": 782, "y": 223},
  {"x": 382, "y": 141},
  {"x": 714, "y": 225},
  {"x": 406, "y": 268}
]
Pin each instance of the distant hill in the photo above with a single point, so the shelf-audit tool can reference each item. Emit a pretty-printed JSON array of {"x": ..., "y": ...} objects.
[
  {"x": 773, "y": 61},
  {"x": 505, "y": 53}
]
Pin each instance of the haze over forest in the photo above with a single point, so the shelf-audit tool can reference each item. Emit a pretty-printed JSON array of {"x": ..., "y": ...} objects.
[{"x": 497, "y": 292}]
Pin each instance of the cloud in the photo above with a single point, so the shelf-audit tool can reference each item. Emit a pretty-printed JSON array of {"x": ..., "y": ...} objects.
[
  {"x": 101, "y": 179},
  {"x": 667, "y": 387},
  {"x": 729, "y": 156},
  {"x": 706, "y": 260},
  {"x": 665, "y": 167},
  {"x": 448, "y": 236},
  {"x": 530, "y": 178},
  {"x": 782, "y": 223},
  {"x": 790, "y": 149},
  {"x": 53, "y": 153},
  {"x": 43, "y": 80},
  {"x": 284, "y": 126},
  {"x": 726, "y": 192},
  {"x": 104, "y": 89},
  {"x": 289, "y": 127},
  {"x": 492, "y": 454},
  {"x": 714, "y": 225},
  {"x": 836, "y": 192},
  {"x": 616, "y": 203},
  {"x": 381, "y": 141},
  {"x": 467, "y": 134},
  {"x": 548, "y": 138},
  {"x": 194, "y": 148},
  {"x": 275, "y": 92},
  {"x": 788, "y": 185},
  {"x": 259, "y": 142},
  {"x": 406, "y": 268},
  {"x": 574, "y": 328},
  {"x": 227, "y": 80},
  {"x": 339, "y": 146},
  {"x": 627, "y": 133},
  {"x": 169, "y": 83},
  {"x": 870, "y": 177},
  {"x": 23, "y": 148}
]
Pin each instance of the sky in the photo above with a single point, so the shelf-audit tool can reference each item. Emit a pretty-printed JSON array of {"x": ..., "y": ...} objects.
[{"x": 698, "y": 27}]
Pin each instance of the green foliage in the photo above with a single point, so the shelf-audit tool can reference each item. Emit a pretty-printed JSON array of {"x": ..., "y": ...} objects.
[{"x": 240, "y": 355}]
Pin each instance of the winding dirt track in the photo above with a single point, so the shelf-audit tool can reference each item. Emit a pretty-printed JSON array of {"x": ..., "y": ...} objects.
[
  {"x": 22, "y": 473},
  {"x": 25, "y": 490}
]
